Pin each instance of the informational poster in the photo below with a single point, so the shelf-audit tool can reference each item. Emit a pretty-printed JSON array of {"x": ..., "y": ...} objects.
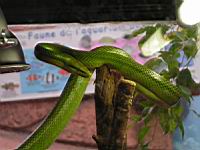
[{"x": 44, "y": 80}]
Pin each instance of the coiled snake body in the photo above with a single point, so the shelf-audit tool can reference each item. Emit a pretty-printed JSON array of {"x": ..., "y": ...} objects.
[{"x": 81, "y": 64}]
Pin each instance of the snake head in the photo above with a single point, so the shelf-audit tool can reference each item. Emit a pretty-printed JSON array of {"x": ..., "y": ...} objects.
[{"x": 48, "y": 53}]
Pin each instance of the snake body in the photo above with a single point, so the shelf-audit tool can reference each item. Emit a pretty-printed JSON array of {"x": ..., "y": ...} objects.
[{"x": 82, "y": 64}]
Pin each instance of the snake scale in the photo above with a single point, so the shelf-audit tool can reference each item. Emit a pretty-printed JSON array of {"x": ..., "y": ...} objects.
[{"x": 82, "y": 64}]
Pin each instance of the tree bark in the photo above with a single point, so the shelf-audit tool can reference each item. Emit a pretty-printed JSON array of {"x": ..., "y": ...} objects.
[{"x": 113, "y": 100}]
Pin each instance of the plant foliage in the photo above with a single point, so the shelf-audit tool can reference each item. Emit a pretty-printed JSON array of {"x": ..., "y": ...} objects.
[{"x": 176, "y": 56}]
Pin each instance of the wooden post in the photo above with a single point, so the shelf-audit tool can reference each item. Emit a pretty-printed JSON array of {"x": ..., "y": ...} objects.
[{"x": 113, "y": 100}]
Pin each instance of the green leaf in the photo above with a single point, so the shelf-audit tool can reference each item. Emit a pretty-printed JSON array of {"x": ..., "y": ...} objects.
[
  {"x": 153, "y": 42},
  {"x": 190, "y": 49},
  {"x": 163, "y": 117},
  {"x": 169, "y": 56},
  {"x": 191, "y": 32},
  {"x": 175, "y": 47},
  {"x": 142, "y": 132},
  {"x": 175, "y": 117},
  {"x": 153, "y": 39},
  {"x": 172, "y": 63},
  {"x": 186, "y": 83},
  {"x": 175, "y": 111},
  {"x": 184, "y": 78},
  {"x": 139, "y": 31},
  {"x": 181, "y": 36},
  {"x": 156, "y": 64},
  {"x": 173, "y": 69},
  {"x": 172, "y": 124},
  {"x": 163, "y": 27},
  {"x": 186, "y": 93},
  {"x": 171, "y": 118},
  {"x": 181, "y": 127}
]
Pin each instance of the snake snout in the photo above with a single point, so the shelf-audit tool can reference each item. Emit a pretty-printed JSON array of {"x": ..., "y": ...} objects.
[
  {"x": 78, "y": 71},
  {"x": 49, "y": 54}
]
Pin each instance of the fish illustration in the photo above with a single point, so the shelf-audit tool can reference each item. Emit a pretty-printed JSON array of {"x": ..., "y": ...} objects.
[
  {"x": 50, "y": 78},
  {"x": 10, "y": 86},
  {"x": 63, "y": 72},
  {"x": 33, "y": 77}
]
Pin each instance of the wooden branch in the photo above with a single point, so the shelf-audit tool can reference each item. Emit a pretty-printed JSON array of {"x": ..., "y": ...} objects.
[
  {"x": 113, "y": 100},
  {"x": 104, "y": 92},
  {"x": 122, "y": 107}
]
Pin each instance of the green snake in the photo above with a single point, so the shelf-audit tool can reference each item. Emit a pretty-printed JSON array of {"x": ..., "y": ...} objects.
[{"x": 82, "y": 64}]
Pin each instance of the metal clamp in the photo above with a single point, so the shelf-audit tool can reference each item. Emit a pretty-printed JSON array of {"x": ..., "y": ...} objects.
[{"x": 7, "y": 42}]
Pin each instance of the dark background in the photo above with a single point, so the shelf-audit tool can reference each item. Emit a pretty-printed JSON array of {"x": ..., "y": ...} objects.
[{"x": 86, "y": 11}]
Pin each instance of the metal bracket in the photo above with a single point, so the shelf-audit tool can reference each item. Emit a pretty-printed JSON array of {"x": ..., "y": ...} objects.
[{"x": 6, "y": 42}]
